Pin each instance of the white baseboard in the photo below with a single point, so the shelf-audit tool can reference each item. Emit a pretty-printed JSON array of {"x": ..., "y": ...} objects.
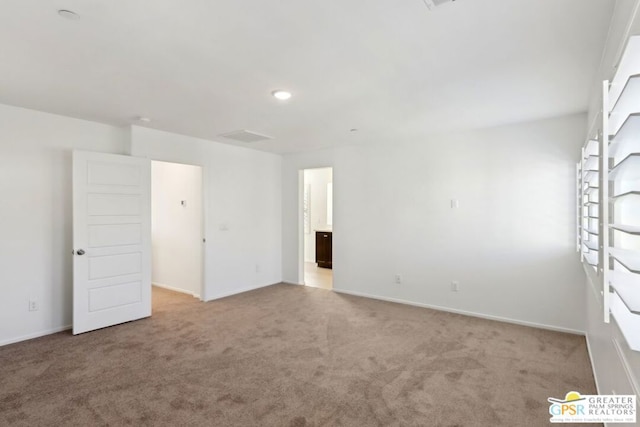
[
  {"x": 464, "y": 312},
  {"x": 626, "y": 366},
  {"x": 35, "y": 335},
  {"x": 171, "y": 288},
  {"x": 292, "y": 283},
  {"x": 593, "y": 366},
  {"x": 623, "y": 362},
  {"x": 239, "y": 291}
]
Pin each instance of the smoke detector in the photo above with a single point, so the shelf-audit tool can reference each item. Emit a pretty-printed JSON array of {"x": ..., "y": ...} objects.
[
  {"x": 431, "y": 4},
  {"x": 245, "y": 136}
]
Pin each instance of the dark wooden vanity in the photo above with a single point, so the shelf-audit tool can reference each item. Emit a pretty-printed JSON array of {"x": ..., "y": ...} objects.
[{"x": 324, "y": 249}]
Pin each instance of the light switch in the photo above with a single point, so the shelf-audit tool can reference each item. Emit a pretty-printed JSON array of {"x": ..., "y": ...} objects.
[{"x": 455, "y": 204}]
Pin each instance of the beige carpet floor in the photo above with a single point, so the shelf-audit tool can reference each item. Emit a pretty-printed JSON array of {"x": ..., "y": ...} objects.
[{"x": 292, "y": 356}]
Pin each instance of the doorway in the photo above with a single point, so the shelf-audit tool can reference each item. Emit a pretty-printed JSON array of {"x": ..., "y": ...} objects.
[
  {"x": 177, "y": 212},
  {"x": 317, "y": 229}
]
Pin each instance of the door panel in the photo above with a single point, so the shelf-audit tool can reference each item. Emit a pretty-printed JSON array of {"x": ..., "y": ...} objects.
[
  {"x": 113, "y": 174},
  {"x": 102, "y": 267},
  {"x": 114, "y": 235},
  {"x": 113, "y": 204},
  {"x": 114, "y": 281},
  {"x": 114, "y": 296},
  {"x": 112, "y": 240}
]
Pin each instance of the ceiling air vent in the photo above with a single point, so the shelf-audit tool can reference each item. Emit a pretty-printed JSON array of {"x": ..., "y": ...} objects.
[
  {"x": 435, "y": 3},
  {"x": 245, "y": 136}
]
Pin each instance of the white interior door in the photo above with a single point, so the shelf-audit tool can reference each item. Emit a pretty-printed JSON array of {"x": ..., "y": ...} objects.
[{"x": 111, "y": 240}]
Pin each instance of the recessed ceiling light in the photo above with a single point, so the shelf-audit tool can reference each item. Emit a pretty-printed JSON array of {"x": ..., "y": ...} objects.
[
  {"x": 282, "y": 95},
  {"x": 68, "y": 14},
  {"x": 143, "y": 119}
]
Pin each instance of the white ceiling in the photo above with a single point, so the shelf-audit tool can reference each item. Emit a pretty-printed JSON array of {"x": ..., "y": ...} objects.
[{"x": 391, "y": 68}]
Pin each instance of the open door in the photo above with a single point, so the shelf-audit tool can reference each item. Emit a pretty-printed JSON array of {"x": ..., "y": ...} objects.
[{"x": 111, "y": 240}]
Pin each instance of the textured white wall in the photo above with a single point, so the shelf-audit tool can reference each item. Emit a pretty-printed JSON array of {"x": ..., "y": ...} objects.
[
  {"x": 510, "y": 244},
  {"x": 242, "y": 208},
  {"x": 177, "y": 230},
  {"x": 35, "y": 215}
]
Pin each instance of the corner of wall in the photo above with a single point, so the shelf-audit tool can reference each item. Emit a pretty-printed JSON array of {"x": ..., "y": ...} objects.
[{"x": 128, "y": 141}]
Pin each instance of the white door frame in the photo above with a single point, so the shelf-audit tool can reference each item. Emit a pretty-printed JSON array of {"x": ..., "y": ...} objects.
[
  {"x": 301, "y": 227},
  {"x": 301, "y": 221},
  {"x": 203, "y": 296}
]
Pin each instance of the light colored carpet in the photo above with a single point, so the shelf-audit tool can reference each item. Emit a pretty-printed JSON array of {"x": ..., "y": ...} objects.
[{"x": 292, "y": 356}]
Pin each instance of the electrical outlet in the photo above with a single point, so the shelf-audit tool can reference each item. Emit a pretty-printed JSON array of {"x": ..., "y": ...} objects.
[
  {"x": 455, "y": 286},
  {"x": 33, "y": 305},
  {"x": 398, "y": 279}
]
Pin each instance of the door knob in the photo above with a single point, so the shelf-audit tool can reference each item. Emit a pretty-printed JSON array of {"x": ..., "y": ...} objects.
[{"x": 80, "y": 252}]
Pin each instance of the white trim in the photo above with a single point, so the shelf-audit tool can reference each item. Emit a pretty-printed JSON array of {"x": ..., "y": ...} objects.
[
  {"x": 284, "y": 282},
  {"x": 171, "y": 288},
  {"x": 239, "y": 291},
  {"x": 35, "y": 335},
  {"x": 205, "y": 219},
  {"x": 464, "y": 312},
  {"x": 625, "y": 366},
  {"x": 300, "y": 228},
  {"x": 205, "y": 204},
  {"x": 604, "y": 206},
  {"x": 593, "y": 365},
  {"x": 300, "y": 209}
]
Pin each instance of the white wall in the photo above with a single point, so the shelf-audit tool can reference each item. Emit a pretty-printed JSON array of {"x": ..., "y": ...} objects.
[
  {"x": 177, "y": 229},
  {"x": 243, "y": 193},
  {"x": 616, "y": 366},
  {"x": 35, "y": 215},
  {"x": 242, "y": 208},
  {"x": 510, "y": 244},
  {"x": 317, "y": 179}
]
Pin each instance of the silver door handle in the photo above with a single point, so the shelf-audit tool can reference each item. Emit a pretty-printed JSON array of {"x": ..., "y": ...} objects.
[{"x": 80, "y": 252}]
